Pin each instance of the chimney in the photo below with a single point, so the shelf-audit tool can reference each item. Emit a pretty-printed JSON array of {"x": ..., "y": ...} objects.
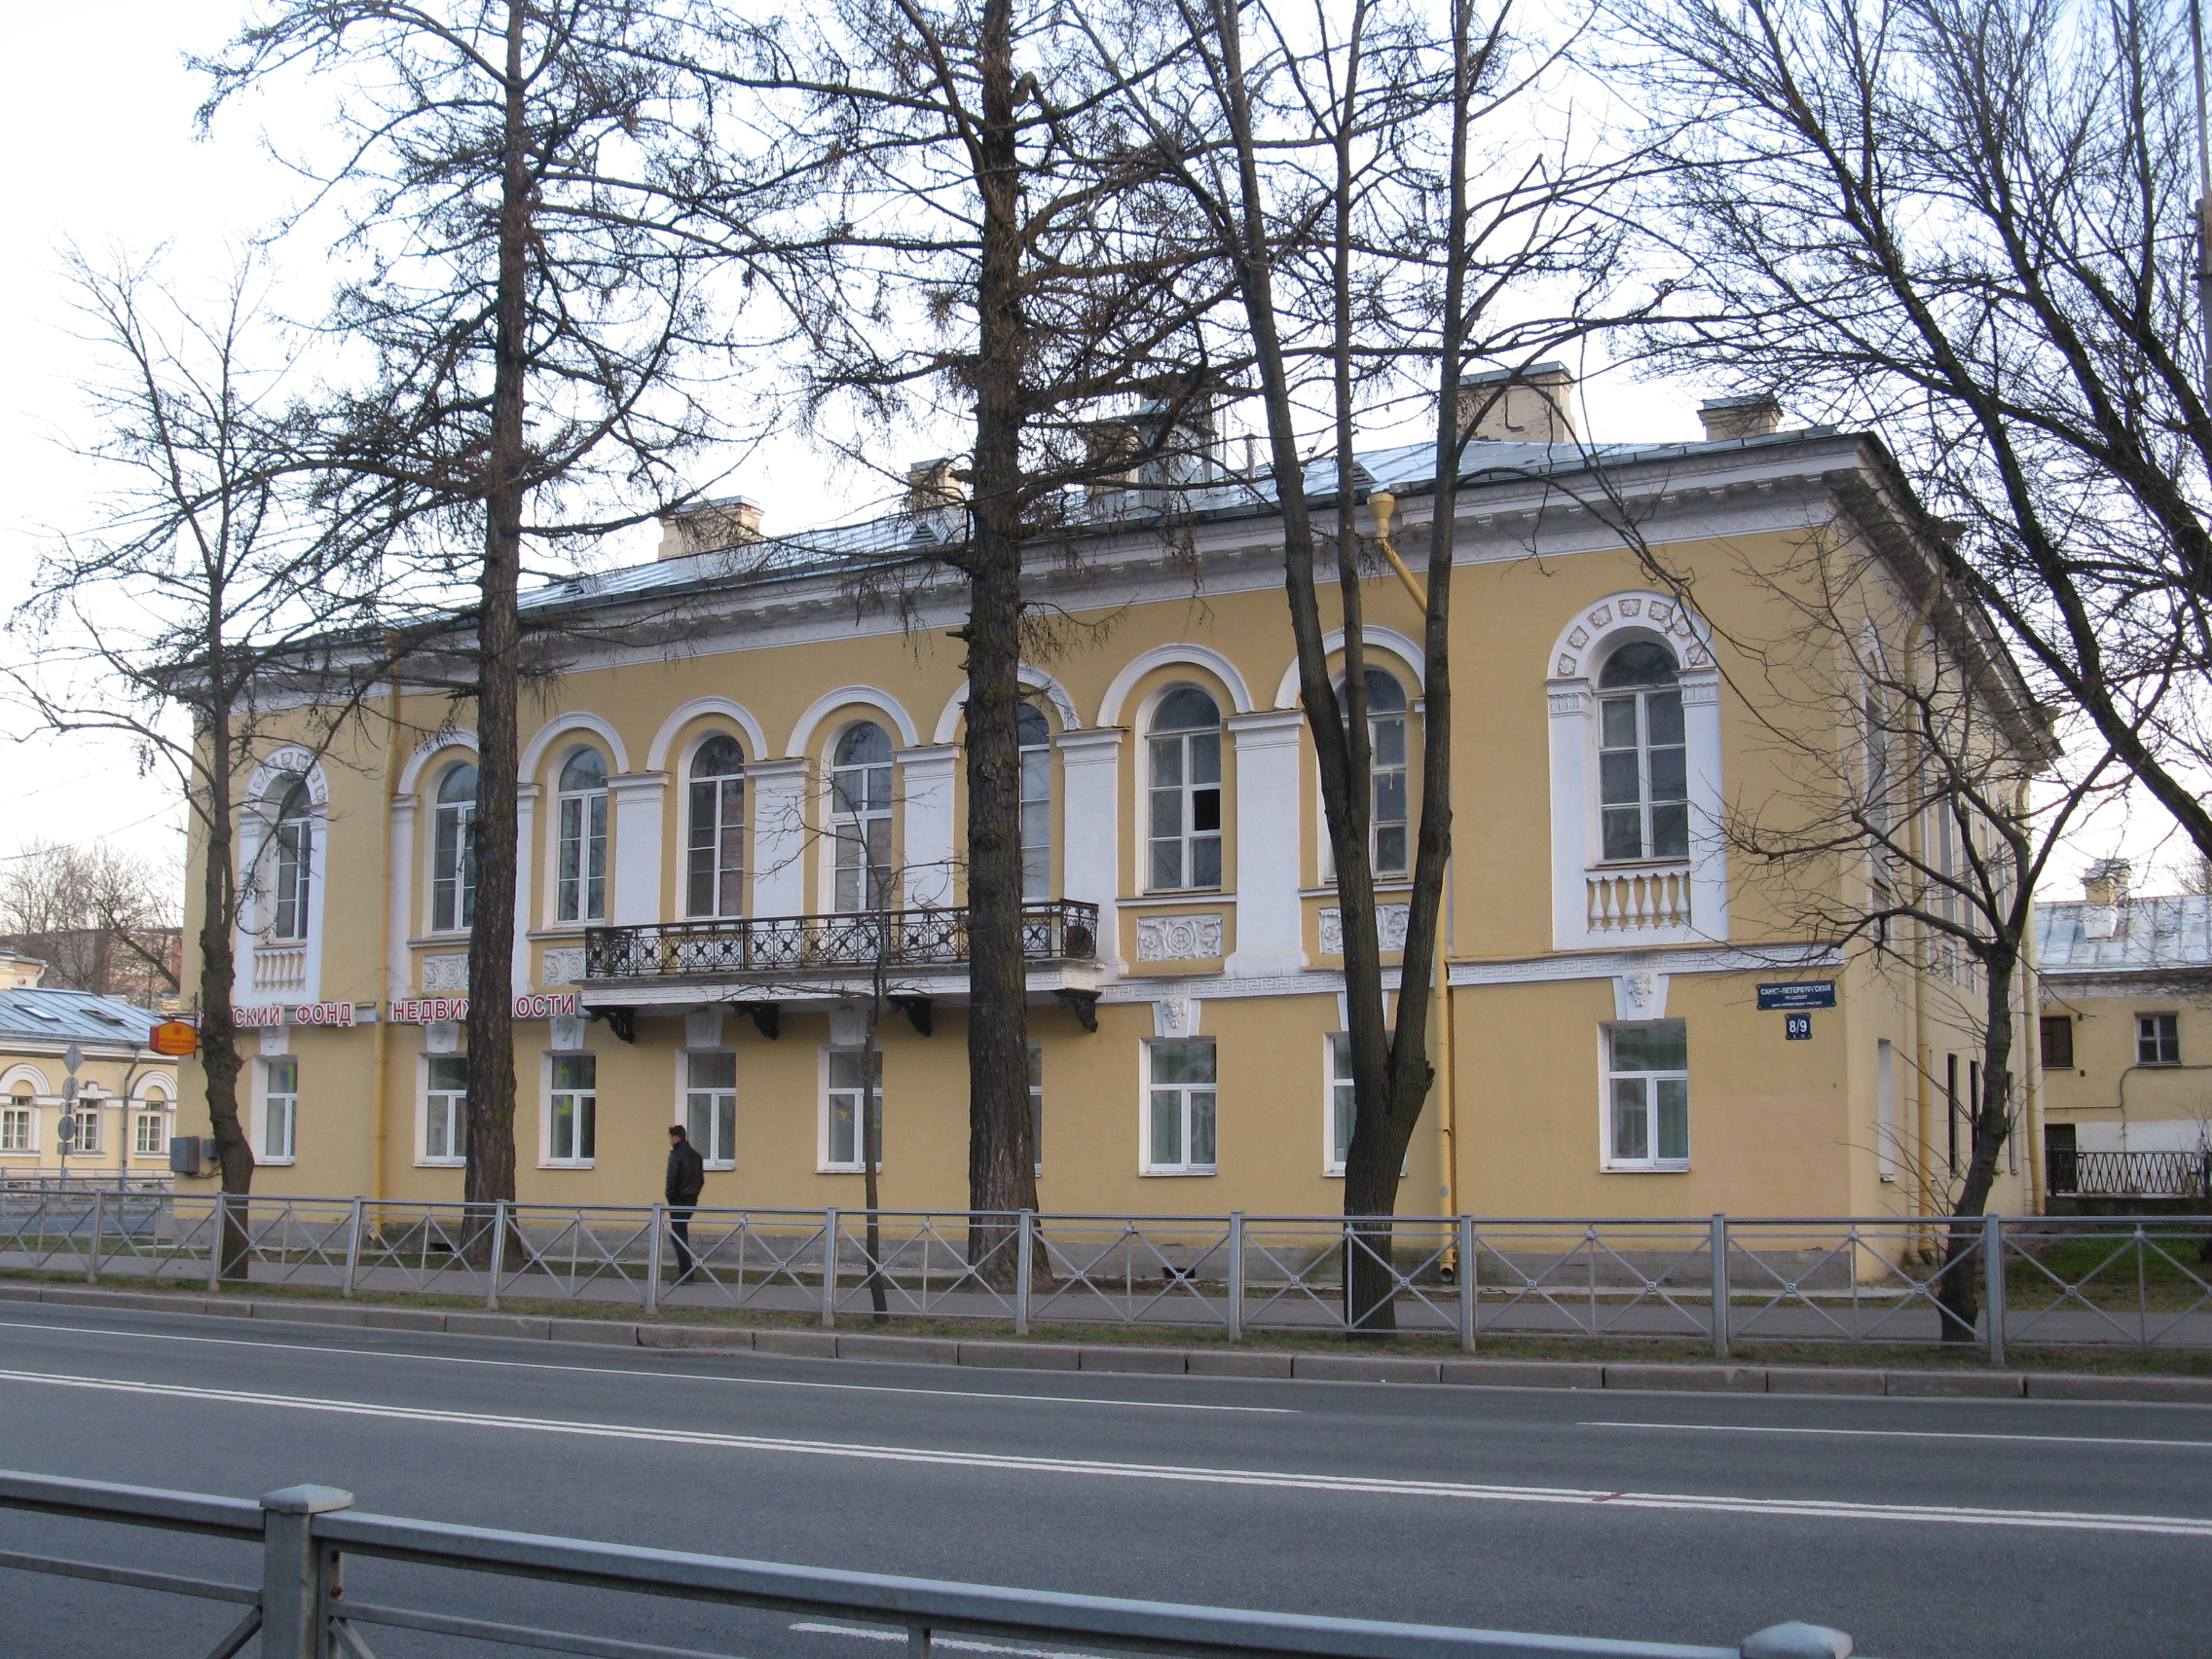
[
  {"x": 1751, "y": 416},
  {"x": 2105, "y": 886},
  {"x": 930, "y": 485},
  {"x": 1520, "y": 406},
  {"x": 709, "y": 527}
]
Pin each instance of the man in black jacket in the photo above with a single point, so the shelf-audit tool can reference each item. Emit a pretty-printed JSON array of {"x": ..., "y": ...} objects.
[{"x": 687, "y": 1176}]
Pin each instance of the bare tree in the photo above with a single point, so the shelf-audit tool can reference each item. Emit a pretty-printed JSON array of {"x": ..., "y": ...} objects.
[
  {"x": 185, "y": 620},
  {"x": 102, "y": 919},
  {"x": 1970, "y": 224}
]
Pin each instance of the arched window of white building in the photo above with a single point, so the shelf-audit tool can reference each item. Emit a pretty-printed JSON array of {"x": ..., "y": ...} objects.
[
  {"x": 715, "y": 855},
  {"x": 1643, "y": 769},
  {"x": 294, "y": 860},
  {"x": 860, "y": 807},
  {"x": 1183, "y": 824},
  {"x": 1036, "y": 737},
  {"x": 1387, "y": 836},
  {"x": 453, "y": 851},
  {"x": 580, "y": 871}
]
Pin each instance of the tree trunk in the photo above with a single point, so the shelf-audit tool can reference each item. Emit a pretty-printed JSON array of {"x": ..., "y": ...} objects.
[
  {"x": 1000, "y": 1164},
  {"x": 219, "y": 1057},
  {"x": 491, "y": 1173},
  {"x": 1958, "y": 1295}
]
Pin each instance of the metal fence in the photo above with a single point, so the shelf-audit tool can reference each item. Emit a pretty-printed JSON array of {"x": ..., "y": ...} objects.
[
  {"x": 299, "y": 1605},
  {"x": 2130, "y": 1174},
  {"x": 1720, "y": 1282}
]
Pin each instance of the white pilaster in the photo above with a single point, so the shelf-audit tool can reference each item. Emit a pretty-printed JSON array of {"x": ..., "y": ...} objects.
[
  {"x": 1572, "y": 807},
  {"x": 635, "y": 806},
  {"x": 1091, "y": 816},
  {"x": 925, "y": 782},
  {"x": 526, "y": 841},
  {"x": 398, "y": 960},
  {"x": 1269, "y": 931},
  {"x": 777, "y": 795},
  {"x": 1701, "y": 741}
]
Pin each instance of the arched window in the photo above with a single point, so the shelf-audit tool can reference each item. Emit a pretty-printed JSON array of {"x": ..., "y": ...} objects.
[
  {"x": 715, "y": 870},
  {"x": 1386, "y": 748},
  {"x": 1184, "y": 820},
  {"x": 580, "y": 881},
  {"x": 453, "y": 851},
  {"x": 295, "y": 859},
  {"x": 860, "y": 788},
  {"x": 1036, "y": 737},
  {"x": 1643, "y": 775}
]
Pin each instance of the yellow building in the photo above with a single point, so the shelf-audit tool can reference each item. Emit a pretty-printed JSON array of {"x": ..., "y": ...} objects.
[
  {"x": 743, "y": 758},
  {"x": 116, "y": 1122},
  {"x": 2126, "y": 1044}
]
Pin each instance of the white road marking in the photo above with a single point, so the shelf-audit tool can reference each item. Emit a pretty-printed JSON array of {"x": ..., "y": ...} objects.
[
  {"x": 962, "y": 1643},
  {"x": 1908, "y": 1434},
  {"x": 623, "y": 1370},
  {"x": 1817, "y": 1509}
]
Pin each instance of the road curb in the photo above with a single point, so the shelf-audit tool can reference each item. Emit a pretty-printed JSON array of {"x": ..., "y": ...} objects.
[{"x": 1395, "y": 1369}]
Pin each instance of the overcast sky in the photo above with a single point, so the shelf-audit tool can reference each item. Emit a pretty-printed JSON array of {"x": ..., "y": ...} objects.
[{"x": 99, "y": 118}]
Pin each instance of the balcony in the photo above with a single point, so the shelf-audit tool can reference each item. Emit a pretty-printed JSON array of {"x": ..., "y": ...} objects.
[
  {"x": 801, "y": 961},
  {"x": 1631, "y": 899}
]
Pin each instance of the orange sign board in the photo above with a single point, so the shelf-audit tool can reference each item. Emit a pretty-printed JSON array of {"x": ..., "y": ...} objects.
[{"x": 174, "y": 1037}]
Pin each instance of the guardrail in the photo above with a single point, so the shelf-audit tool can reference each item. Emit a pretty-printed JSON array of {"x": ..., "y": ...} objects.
[
  {"x": 1719, "y": 1280},
  {"x": 2130, "y": 1174},
  {"x": 1061, "y": 930},
  {"x": 300, "y": 1607}
]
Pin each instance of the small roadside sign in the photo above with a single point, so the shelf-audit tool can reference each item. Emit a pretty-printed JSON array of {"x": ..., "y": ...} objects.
[
  {"x": 1797, "y": 1027},
  {"x": 175, "y": 1036},
  {"x": 72, "y": 1056},
  {"x": 1797, "y": 993}
]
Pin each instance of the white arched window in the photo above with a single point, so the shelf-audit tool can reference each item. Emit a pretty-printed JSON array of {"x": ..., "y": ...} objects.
[
  {"x": 1387, "y": 833},
  {"x": 580, "y": 874},
  {"x": 714, "y": 873},
  {"x": 860, "y": 805},
  {"x": 1036, "y": 737},
  {"x": 293, "y": 886},
  {"x": 453, "y": 851},
  {"x": 1183, "y": 811},
  {"x": 1643, "y": 768}
]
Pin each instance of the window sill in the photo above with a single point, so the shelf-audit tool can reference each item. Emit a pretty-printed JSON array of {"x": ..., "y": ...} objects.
[
  {"x": 562, "y": 930},
  {"x": 441, "y": 1163},
  {"x": 720, "y": 1163},
  {"x": 432, "y": 941},
  {"x": 260, "y": 1162},
  {"x": 1681, "y": 1168},
  {"x": 1182, "y": 896},
  {"x": 1178, "y": 1174},
  {"x": 841, "y": 1169},
  {"x": 564, "y": 1163},
  {"x": 1641, "y": 863}
]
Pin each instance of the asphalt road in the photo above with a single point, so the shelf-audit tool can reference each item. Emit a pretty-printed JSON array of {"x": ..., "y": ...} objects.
[{"x": 1929, "y": 1530}]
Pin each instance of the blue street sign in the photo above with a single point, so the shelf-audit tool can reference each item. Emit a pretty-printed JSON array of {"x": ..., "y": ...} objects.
[
  {"x": 1798, "y": 994},
  {"x": 1797, "y": 1027}
]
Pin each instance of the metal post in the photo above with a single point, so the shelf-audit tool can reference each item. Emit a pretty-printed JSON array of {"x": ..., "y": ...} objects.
[
  {"x": 299, "y": 1577},
  {"x": 1236, "y": 1276},
  {"x": 498, "y": 1258},
  {"x": 353, "y": 1248},
  {"x": 93, "y": 1250},
  {"x": 830, "y": 1268},
  {"x": 218, "y": 1224},
  {"x": 917, "y": 1641},
  {"x": 1993, "y": 1279},
  {"x": 1719, "y": 1251},
  {"x": 1466, "y": 1273},
  {"x": 652, "y": 1259},
  {"x": 1022, "y": 1278}
]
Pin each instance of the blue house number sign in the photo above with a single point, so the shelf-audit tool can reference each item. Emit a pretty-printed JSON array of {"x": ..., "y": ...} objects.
[{"x": 1797, "y": 1027}]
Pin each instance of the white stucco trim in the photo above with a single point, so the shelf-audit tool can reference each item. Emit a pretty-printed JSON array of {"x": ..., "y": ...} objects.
[
  {"x": 1271, "y": 921},
  {"x": 823, "y": 707},
  {"x": 1398, "y": 645},
  {"x": 23, "y": 1074},
  {"x": 1091, "y": 817},
  {"x": 1638, "y": 612},
  {"x": 429, "y": 750},
  {"x": 1181, "y": 655},
  {"x": 948, "y": 722},
  {"x": 255, "y": 823},
  {"x": 562, "y": 725},
  {"x": 705, "y": 708},
  {"x": 635, "y": 802},
  {"x": 927, "y": 823}
]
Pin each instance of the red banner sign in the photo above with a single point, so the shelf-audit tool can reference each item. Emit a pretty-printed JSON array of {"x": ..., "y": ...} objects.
[{"x": 436, "y": 1010}]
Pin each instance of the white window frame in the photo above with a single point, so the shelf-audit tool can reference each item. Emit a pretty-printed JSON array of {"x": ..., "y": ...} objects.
[
  {"x": 1037, "y": 1106},
  {"x": 722, "y": 796},
  {"x": 827, "y": 1163},
  {"x": 1651, "y": 1162},
  {"x": 155, "y": 1109},
  {"x": 718, "y": 1146},
  {"x": 20, "y": 1109},
  {"x": 1184, "y": 794},
  {"x": 451, "y": 1103},
  {"x": 580, "y": 824},
  {"x": 1187, "y": 1116},
  {"x": 1637, "y": 699},
  {"x": 292, "y": 847},
  {"x": 1402, "y": 717},
  {"x": 583, "y": 1113},
  {"x": 2153, "y": 1030},
  {"x": 265, "y": 1150},
  {"x": 1336, "y": 1094},
  {"x": 453, "y": 869},
  {"x": 857, "y": 819},
  {"x": 1036, "y": 806}
]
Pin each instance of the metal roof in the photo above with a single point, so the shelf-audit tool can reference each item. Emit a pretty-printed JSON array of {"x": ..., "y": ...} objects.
[
  {"x": 51, "y": 1015},
  {"x": 2172, "y": 931}
]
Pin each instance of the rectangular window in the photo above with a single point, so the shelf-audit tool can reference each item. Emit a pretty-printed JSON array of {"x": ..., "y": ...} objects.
[
  {"x": 1644, "y": 776},
  {"x": 295, "y": 879},
  {"x": 574, "y": 1108},
  {"x": 2158, "y": 1039},
  {"x": 1648, "y": 1096},
  {"x": 453, "y": 868},
  {"x": 855, "y": 1085},
  {"x": 583, "y": 884},
  {"x": 709, "y": 1105},
  {"x": 151, "y": 1137},
  {"x": 1036, "y": 822},
  {"x": 1179, "y": 1127},
  {"x": 1185, "y": 812},
  {"x": 279, "y": 1109},
  {"x": 15, "y": 1128},
  {"x": 1343, "y": 1104},
  {"x": 2057, "y": 1041},
  {"x": 445, "y": 1109},
  {"x": 1037, "y": 1106}
]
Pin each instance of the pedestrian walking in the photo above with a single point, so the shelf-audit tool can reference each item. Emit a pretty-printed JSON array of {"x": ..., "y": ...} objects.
[{"x": 686, "y": 1177}]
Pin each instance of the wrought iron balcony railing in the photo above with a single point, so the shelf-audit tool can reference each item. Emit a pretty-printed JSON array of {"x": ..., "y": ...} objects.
[
  {"x": 1061, "y": 930},
  {"x": 2130, "y": 1174}
]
